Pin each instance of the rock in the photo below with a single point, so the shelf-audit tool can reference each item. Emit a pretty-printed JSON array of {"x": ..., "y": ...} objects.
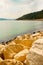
[
  {"x": 21, "y": 56},
  {"x": 35, "y": 55},
  {"x": 11, "y": 50},
  {"x": 10, "y": 62},
  {"x": 1, "y": 48},
  {"x": 1, "y": 59}
]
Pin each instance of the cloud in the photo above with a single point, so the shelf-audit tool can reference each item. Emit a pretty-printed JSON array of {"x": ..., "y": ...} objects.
[
  {"x": 16, "y": 8},
  {"x": 40, "y": 4}
]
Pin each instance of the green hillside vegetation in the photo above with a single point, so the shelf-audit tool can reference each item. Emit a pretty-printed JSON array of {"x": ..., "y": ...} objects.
[{"x": 32, "y": 16}]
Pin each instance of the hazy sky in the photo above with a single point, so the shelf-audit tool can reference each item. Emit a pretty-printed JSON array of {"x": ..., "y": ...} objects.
[{"x": 17, "y": 8}]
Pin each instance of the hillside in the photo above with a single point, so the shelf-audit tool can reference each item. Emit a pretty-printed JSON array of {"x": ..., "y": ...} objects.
[{"x": 32, "y": 16}]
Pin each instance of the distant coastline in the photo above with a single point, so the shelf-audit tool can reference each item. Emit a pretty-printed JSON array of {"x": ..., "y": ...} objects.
[
  {"x": 6, "y": 19},
  {"x": 32, "y": 16}
]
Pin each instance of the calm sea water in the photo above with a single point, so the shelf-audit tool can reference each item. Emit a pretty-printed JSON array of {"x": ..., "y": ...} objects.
[{"x": 11, "y": 28}]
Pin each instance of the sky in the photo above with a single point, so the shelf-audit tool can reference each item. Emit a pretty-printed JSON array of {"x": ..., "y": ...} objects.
[{"x": 17, "y": 8}]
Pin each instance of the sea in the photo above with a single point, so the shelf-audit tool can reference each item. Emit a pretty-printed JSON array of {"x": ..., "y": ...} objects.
[{"x": 9, "y": 29}]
